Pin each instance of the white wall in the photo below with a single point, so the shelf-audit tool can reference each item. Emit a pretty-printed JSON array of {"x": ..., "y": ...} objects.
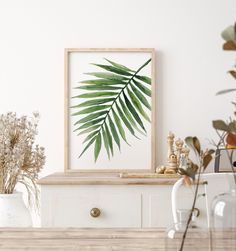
[{"x": 191, "y": 65}]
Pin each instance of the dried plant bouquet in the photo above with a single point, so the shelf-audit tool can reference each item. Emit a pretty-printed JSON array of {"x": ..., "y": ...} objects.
[{"x": 20, "y": 159}]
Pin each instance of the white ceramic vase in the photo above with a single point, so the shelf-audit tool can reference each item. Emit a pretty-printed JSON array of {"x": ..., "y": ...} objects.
[{"x": 13, "y": 212}]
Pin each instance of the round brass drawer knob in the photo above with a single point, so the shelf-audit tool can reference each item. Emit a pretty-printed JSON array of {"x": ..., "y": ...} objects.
[{"x": 95, "y": 212}]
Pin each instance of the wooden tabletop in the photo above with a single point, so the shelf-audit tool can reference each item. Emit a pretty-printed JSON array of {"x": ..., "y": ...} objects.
[
  {"x": 71, "y": 178},
  {"x": 71, "y": 239}
]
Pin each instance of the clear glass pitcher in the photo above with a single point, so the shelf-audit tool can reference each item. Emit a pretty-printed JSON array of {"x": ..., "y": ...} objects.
[{"x": 175, "y": 233}]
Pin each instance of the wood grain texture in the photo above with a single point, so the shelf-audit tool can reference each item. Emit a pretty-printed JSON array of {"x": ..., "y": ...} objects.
[
  {"x": 149, "y": 175},
  {"x": 66, "y": 113},
  {"x": 153, "y": 116},
  {"x": 110, "y": 239},
  {"x": 77, "y": 178}
]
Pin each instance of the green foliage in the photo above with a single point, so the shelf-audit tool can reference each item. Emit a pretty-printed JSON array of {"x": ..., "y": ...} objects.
[
  {"x": 117, "y": 98},
  {"x": 229, "y": 130},
  {"x": 220, "y": 125}
]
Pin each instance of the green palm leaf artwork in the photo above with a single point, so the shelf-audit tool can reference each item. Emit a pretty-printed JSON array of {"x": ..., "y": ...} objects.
[{"x": 115, "y": 102}]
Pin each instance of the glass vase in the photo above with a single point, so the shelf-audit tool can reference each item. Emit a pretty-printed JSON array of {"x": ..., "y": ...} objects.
[{"x": 223, "y": 217}]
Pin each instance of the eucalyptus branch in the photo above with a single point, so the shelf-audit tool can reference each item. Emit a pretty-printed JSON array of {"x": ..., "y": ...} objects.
[{"x": 204, "y": 158}]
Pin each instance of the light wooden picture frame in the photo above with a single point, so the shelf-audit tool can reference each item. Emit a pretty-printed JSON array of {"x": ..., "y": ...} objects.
[{"x": 110, "y": 110}]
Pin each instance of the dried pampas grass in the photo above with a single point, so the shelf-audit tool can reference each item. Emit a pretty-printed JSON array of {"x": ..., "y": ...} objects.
[{"x": 20, "y": 159}]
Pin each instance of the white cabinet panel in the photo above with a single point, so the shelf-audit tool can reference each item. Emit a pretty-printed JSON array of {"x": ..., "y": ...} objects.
[
  {"x": 160, "y": 211},
  {"x": 74, "y": 210},
  {"x": 160, "y": 214}
]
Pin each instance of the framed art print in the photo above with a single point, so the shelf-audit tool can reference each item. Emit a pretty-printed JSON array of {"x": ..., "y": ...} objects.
[{"x": 109, "y": 110}]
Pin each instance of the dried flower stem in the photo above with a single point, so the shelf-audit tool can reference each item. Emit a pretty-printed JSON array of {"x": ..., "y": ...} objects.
[
  {"x": 193, "y": 206},
  {"x": 204, "y": 158},
  {"x": 20, "y": 159}
]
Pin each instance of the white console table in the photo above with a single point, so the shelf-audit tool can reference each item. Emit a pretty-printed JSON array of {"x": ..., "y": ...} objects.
[{"x": 69, "y": 200}]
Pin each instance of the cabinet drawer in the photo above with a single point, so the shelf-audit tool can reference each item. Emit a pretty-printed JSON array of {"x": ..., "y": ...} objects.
[{"x": 74, "y": 211}]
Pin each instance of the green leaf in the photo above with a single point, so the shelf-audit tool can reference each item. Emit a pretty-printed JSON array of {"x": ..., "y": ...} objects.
[
  {"x": 108, "y": 76},
  {"x": 90, "y": 129},
  {"x": 124, "y": 119},
  {"x": 140, "y": 96},
  {"x": 119, "y": 66},
  {"x": 90, "y": 136},
  {"x": 91, "y": 123},
  {"x": 94, "y": 102},
  {"x": 143, "y": 88},
  {"x": 133, "y": 112},
  {"x": 96, "y": 95},
  {"x": 102, "y": 82},
  {"x": 229, "y": 34},
  {"x": 99, "y": 87},
  {"x": 109, "y": 138},
  {"x": 138, "y": 105},
  {"x": 90, "y": 117},
  {"x": 98, "y": 145},
  {"x": 119, "y": 126},
  {"x": 225, "y": 91},
  {"x": 129, "y": 116},
  {"x": 91, "y": 109},
  {"x": 105, "y": 140},
  {"x": 87, "y": 146},
  {"x": 106, "y": 99},
  {"x": 145, "y": 79},
  {"x": 113, "y": 69},
  {"x": 220, "y": 125},
  {"x": 114, "y": 132}
]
